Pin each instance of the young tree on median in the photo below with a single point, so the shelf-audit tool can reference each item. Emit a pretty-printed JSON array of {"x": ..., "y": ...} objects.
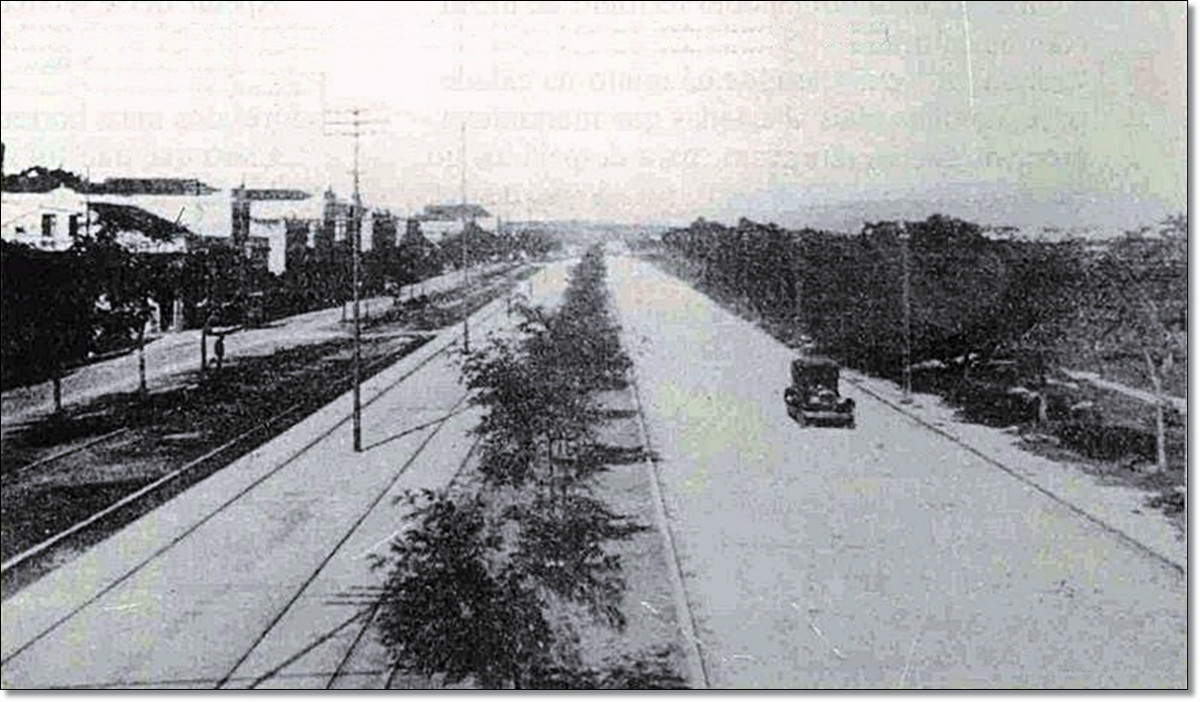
[{"x": 451, "y": 606}]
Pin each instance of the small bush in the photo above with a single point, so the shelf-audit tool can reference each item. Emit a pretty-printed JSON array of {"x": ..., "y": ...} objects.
[{"x": 1108, "y": 442}]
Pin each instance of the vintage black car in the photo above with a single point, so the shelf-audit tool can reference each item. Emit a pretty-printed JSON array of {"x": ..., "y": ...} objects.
[{"x": 813, "y": 396}]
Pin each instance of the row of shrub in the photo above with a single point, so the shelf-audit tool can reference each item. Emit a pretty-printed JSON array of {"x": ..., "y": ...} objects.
[{"x": 496, "y": 575}]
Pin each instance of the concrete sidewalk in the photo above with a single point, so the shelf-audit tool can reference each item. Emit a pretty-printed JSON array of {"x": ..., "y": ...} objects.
[
  {"x": 1116, "y": 507},
  {"x": 260, "y": 574}
]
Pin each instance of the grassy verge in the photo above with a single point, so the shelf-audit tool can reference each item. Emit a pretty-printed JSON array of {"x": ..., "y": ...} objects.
[{"x": 143, "y": 438}]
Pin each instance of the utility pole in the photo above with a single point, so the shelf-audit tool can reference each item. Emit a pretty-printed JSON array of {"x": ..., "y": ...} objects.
[
  {"x": 356, "y": 239},
  {"x": 462, "y": 167},
  {"x": 356, "y": 122},
  {"x": 907, "y": 302}
]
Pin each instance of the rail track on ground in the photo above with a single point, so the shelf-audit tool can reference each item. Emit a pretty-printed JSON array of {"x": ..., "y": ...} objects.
[
  {"x": 16, "y": 570},
  {"x": 445, "y": 346},
  {"x": 192, "y": 470}
]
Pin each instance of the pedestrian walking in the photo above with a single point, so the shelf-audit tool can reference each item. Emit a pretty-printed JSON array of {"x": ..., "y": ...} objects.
[{"x": 219, "y": 351}]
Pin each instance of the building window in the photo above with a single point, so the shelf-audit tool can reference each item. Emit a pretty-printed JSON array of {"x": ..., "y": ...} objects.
[
  {"x": 73, "y": 225},
  {"x": 49, "y": 225}
]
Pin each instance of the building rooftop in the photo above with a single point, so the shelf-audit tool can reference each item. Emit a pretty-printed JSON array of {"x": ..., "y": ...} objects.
[{"x": 126, "y": 218}]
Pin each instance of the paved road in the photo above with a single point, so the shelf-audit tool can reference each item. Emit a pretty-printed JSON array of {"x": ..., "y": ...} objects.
[
  {"x": 171, "y": 354},
  {"x": 885, "y": 556},
  {"x": 252, "y": 577}
]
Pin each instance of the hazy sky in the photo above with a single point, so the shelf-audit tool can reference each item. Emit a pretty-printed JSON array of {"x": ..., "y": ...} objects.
[{"x": 618, "y": 110}]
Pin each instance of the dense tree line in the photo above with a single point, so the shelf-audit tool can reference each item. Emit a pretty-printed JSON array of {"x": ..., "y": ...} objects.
[
  {"x": 969, "y": 295},
  {"x": 61, "y": 308},
  {"x": 975, "y": 304}
]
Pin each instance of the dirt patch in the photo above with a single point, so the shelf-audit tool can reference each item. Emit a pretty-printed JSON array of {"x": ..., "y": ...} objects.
[{"x": 652, "y": 624}]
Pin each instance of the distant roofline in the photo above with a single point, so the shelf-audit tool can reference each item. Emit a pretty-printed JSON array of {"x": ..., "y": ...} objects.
[
  {"x": 152, "y": 186},
  {"x": 273, "y": 194},
  {"x": 453, "y": 212}
]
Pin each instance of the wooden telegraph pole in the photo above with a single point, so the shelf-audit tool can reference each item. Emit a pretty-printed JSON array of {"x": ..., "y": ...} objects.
[{"x": 355, "y": 124}]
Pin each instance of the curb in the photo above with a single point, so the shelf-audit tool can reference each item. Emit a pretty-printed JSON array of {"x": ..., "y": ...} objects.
[{"x": 687, "y": 620}]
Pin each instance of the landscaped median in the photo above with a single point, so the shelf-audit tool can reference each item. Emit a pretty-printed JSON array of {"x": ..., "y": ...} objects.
[
  {"x": 60, "y": 472},
  {"x": 536, "y": 569}
]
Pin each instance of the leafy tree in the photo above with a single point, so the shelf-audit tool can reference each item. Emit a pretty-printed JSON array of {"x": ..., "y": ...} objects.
[
  {"x": 474, "y": 578},
  {"x": 47, "y": 315},
  {"x": 94, "y": 296},
  {"x": 122, "y": 283},
  {"x": 560, "y": 547},
  {"x": 452, "y": 609},
  {"x": 1040, "y": 306}
]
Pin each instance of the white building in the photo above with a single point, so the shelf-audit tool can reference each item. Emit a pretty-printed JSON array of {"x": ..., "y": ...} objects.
[
  {"x": 47, "y": 221},
  {"x": 211, "y": 213},
  {"x": 268, "y": 219}
]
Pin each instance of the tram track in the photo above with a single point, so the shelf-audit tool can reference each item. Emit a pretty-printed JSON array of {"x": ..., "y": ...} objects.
[
  {"x": 373, "y": 611},
  {"x": 227, "y": 451},
  {"x": 158, "y": 553},
  {"x": 308, "y": 581},
  {"x": 203, "y": 465}
]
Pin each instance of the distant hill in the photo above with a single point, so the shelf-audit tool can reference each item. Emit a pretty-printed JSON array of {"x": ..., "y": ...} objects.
[{"x": 587, "y": 232}]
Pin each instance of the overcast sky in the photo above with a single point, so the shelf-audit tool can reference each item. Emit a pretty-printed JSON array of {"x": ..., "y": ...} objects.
[{"x": 628, "y": 111}]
